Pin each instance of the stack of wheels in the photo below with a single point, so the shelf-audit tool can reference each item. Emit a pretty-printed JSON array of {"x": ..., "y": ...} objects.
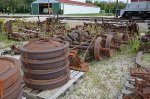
[
  {"x": 10, "y": 78},
  {"x": 45, "y": 64}
]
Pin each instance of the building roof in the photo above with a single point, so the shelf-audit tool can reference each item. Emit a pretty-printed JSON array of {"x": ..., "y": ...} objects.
[
  {"x": 45, "y": 1},
  {"x": 77, "y": 3},
  {"x": 65, "y": 1}
]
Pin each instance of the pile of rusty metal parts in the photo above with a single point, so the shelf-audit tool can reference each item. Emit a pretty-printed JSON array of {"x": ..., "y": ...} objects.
[
  {"x": 140, "y": 83},
  {"x": 145, "y": 41},
  {"x": 45, "y": 64},
  {"x": 97, "y": 45},
  {"x": 21, "y": 34},
  {"x": 21, "y": 30},
  {"x": 10, "y": 79},
  {"x": 131, "y": 26}
]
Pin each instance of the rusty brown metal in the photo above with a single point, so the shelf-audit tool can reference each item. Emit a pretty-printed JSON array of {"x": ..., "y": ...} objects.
[
  {"x": 44, "y": 49},
  {"x": 9, "y": 70},
  {"x": 46, "y": 64},
  {"x": 98, "y": 52},
  {"x": 10, "y": 78},
  {"x": 45, "y": 71},
  {"x": 47, "y": 84},
  {"x": 13, "y": 91},
  {"x": 139, "y": 72},
  {"x": 110, "y": 41},
  {"x": 46, "y": 74},
  {"x": 121, "y": 39},
  {"x": 76, "y": 63}
]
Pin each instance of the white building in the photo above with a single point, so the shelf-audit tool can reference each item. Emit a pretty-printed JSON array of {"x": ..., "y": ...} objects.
[
  {"x": 53, "y": 7},
  {"x": 76, "y": 7}
]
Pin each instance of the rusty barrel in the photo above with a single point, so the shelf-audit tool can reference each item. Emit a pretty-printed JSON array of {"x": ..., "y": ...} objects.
[
  {"x": 10, "y": 78},
  {"x": 45, "y": 64}
]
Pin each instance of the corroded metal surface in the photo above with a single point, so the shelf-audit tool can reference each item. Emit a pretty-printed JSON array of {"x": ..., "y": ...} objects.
[
  {"x": 48, "y": 68},
  {"x": 10, "y": 78},
  {"x": 45, "y": 74},
  {"x": 46, "y": 64},
  {"x": 110, "y": 41},
  {"x": 9, "y": 70},
  {"x": 98, "y": 53},
  {"x": 44, "y": 49},
  {"x": 76, "y": 63},
  {"x": 47, "y": 84}
]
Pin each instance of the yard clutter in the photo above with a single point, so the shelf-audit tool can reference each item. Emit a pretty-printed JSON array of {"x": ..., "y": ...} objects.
[
  {"x": 60, "y": 55},
  {"x": 45, "y": 64},
  {"x": 140, "y": 75},
  {"x": 10, "y": 78}
]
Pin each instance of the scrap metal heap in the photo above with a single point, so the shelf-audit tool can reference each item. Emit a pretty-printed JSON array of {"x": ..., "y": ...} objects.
[
  {"x": 100, "y": 45},
  {"x": 145, "y": 40},
  {"x": 141, "y": 89},
  {"x": 21, "y": 30}
]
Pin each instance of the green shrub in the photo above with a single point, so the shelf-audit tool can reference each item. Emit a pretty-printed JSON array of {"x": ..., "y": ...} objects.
[{"x": 134, "y": 44}]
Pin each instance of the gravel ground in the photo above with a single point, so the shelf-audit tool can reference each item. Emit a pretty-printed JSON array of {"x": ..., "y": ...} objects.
[
  {"x": 146, "y": 60},
  {"x": 105, "y": 78}
]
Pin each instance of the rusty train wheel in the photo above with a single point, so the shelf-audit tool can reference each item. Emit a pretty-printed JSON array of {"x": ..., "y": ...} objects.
[
  {"x": 109, "y": 42},
  {"x": 97, "y": 49},
  {"x": 13, "y": 91},
  {"x": 45, "y": 74},
  {"x": 121, "y": 38},
  {"x": 9, "y": 71},
  {"x": 44, "y": 49},
  {"x": 47, "y": 84},
  {"x": 45, "y": 64}
]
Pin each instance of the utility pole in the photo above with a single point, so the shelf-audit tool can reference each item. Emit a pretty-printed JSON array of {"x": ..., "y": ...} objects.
[
  {"x": 117, "y": 8},
  {"x": 48, "y": 9},
  {"x": 63, "y": 7}
]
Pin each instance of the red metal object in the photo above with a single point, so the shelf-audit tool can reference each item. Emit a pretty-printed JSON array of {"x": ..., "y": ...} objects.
[{"x": 76, "y": 63}]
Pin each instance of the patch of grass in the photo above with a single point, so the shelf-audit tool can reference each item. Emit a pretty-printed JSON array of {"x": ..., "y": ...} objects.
[
  {"x": 93, "y": 14},
  {"x": 6, "y": 42},
  {"x": 134, "y": 44}
]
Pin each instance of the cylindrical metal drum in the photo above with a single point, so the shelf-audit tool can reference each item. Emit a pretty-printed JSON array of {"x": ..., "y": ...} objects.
[{"x": 45, "y": 64}]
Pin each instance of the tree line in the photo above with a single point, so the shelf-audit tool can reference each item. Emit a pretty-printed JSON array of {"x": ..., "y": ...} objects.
[
  {"x": 15, "y": 6},
  {"x": 108, "y": 6}
]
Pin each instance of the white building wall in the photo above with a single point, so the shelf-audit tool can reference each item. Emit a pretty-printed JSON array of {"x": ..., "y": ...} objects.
[{"x": 78, "y": 9}]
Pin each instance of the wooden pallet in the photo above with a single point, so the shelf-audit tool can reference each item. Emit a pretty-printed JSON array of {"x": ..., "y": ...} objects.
[{"x": 55, "y": 93}]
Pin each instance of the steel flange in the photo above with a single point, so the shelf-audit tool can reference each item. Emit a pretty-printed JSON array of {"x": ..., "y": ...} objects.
[
  {"x": 109, "y": 43},
  {"x": 98, "y": 52}
]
